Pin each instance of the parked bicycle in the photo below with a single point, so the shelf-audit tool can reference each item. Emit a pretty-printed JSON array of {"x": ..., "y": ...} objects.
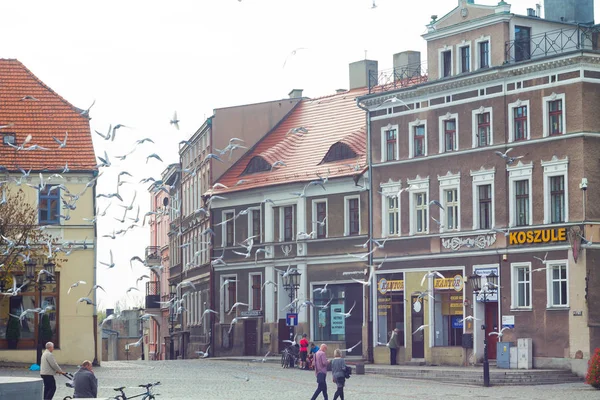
[
  {"x": 290, "y": 356},
  {"x": 147, "y": 395}
]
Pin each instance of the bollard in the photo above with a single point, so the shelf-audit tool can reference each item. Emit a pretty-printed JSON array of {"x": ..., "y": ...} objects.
[{"x": 360, "y": 368}]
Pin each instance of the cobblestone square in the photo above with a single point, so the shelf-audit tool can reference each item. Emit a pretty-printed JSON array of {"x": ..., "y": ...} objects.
[{"x": 208, "y": 379}]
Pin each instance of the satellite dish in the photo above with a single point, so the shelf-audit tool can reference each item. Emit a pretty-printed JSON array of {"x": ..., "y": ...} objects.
[{"x": 166, "y": 201}]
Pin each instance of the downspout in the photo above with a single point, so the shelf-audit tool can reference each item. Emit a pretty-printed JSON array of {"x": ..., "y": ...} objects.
[
  {"x": 370, "y": 357},
  {"x": 95, "y": 317}
]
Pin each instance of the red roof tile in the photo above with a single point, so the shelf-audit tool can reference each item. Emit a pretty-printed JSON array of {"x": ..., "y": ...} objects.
[
  {"x": 329, "y": 120},
  {"x": 43, "y": 114}
]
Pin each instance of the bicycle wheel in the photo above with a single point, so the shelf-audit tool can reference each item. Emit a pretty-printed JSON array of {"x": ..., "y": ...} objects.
[
  {"x": 67, "y": 398},
  {"x": 283, "y": 360}
]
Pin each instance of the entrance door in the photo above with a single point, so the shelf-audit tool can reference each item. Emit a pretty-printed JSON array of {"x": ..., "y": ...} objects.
[
  {"x": 417, "y": 320},
  {"x": 522, "y": 43},
  {"x": 284, "y": 334},
  {"x": 250, "y": 337},
  {"x": 491, "y": 325}
]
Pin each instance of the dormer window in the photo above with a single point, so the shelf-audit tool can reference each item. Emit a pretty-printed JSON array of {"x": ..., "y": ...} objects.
[
  {"x": 8, "y": 138},
  {"x": 257, "y": 164},
  {"x": 337, "y": 152}
]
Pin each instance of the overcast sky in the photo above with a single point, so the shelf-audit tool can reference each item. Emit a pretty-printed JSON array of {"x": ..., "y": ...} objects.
[{"x": 141, "y": 60}]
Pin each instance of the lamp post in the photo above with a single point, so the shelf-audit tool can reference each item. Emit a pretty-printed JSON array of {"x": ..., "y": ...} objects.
[
  {"x": 291, "y": 283},
  {"x": 485, "y": 286},
  {"x": 39, "y": 283},
  {"x": 173, "y": 293}
]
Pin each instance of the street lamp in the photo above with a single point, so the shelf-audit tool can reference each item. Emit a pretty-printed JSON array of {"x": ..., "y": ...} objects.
[
  {"x": 291, "y": 283},
  {"x": 485, "y": 288},
  {"x": 39, "y": 282},
  {"x": 173, "y": 293}
]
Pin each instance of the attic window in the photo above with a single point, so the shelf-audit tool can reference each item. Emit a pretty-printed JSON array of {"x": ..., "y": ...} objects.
[
  {"x": 257, "y": 164},
  {"x": 8, "y": 138},
  {"x": 338, "y": 151}
]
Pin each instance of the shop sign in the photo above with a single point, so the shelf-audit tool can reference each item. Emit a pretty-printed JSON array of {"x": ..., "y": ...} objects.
[
  {"x": 338, "y": 320},
  {"x": 508, "y": 321},
  {"x": 538, "y": 236},
  {"x": 252, "y": 313},
  {"x": 385, "y": 286},
  {"x": 457, "y": 321},
  {"x": 456, "y": 283}
]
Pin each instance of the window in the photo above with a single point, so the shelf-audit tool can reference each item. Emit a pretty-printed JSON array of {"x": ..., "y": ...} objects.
[
  {"x": 49, "y": 206},
  {"x": 520, "y": 122},
  {"x": 392, "y": 216},
  {"x": 483, "y": 198},
  {"x": 451, "y": 207},
  {"x": 8, "y": 138},
  {"x": 288, "y": 223},
  {"x": 522, "y": 43},
  {"x": 338, "y": 151},
  {"x": 465, "y": 59},
  {"x": 390, "y": 307},
  {"x": 327, "y": 323},
  {"x": 521, "y": 286},
  {"x": 353, "y": 216},
  {"x": 418, "y": 189},
  {"x": 419, "y": 141},
  {"x": 554, "y": 114},
  {"x": 558, "y": 287},
  {"x": 557, "y": 199},
  {"x": 229, "y": 228},
  {"x": 390, "y": 145},
  {"x": 483, "y": 129},
  {"x": 254, "y": 225},
  {"x": 230, "y": 292},
  {"x": 484, "y": 54},
  {"x": 522, "y": 202},
  {"x": 320, "y": 211},
  {"x": 446, "y": 57},
  {"x": 450, "y": 135},
  {"x": 556, "y": 193},
  {"x": 448, "y": 311},
  {"x": 257, "y": 164},
  {"x": 485, "y": 206},
  {"x": 421, "y": 208},
  {"x": 256, "y": 291}
]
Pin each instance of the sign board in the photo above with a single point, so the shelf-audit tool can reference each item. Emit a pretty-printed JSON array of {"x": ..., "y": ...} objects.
[
  {"x": 252, "y": 313},
  {"x": 493, "y": 296},
  {"x": 266, "y": 338},
  {"x": 456, "y": 283},
  {"x": 338, "y": 320},
  {"x": 322, "y": 318},
  {"x": 385, "y": 286},
  {"x": 457, "y": 321},
  {"x": 538, "y": 236},
  {"x": 291, "y": 319},
  {"x": 508, "y": 321}
]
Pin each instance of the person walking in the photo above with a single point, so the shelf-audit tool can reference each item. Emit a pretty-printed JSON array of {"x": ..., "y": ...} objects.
[
  {"x": 321, "y": 372},
  {"x": 338, "y": 370},
  {"x": 393, "y": 345},
  {"x": 304, "y": 352},
  {"x": 85, "y": 382},
  {"x": 48, "y": 368}
]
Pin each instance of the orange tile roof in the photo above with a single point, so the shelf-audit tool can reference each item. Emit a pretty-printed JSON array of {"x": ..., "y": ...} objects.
[
  {"x": 43, "y": 114},
  {"x": 329, "y": 120}
]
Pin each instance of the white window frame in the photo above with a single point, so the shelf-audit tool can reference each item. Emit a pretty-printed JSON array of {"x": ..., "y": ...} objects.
[
  {"x": 250, "y": 216},
  {"x": 549, "y": 282},
  {"x": 441, "y": 61},
  {"x": 347, "y": 215},
  {"x": 552, "y": 168},
  {"x": 459, "y": 65},
  {"x": 411, "y": 135},
  {"x": 475, "y": 123},
  {"x": 282, "y": 222},
  {"x": 546, "y": 110},
  {"x": 519, "y": 172},
  {"x": 511, "y": 119},
  {"x": 314, "y": 215},
  {"x": 224, "y": 227},
  {"x": 417, "y": 185},
  {"x": 390, "y": 189},
  {"x": 224, "y": 294},
  {"x": 449, "y": 182},
  {"x": 513, "y": 284},
  {"x": 480, "y": 178},
  {"x": 384, "y": 129},
  {"x": 477, "y": 55},
  {"x": 442, "y": 119},
  {"x": 250, "y": 294}
]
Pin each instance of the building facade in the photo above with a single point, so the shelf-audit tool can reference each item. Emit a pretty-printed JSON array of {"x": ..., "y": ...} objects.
[{"x": 486, "y": 166}]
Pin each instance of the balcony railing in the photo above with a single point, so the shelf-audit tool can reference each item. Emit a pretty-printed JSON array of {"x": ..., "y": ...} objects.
[
  {"x": 552, "y": 43},
  {"x": 152, "y": 294},
  {"x": 153, "y": 257},
  {"x": 398, "y": 77}
]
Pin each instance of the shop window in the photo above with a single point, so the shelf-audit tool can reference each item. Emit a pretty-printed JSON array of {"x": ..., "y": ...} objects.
[
  {"x": 448, "y": 309},
  {"x": 390, "y": 307},
  {"x": 329, "y": 324}
]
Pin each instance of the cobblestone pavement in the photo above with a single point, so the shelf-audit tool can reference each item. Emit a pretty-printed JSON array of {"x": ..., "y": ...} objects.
[{"x": 226, "y": 380}]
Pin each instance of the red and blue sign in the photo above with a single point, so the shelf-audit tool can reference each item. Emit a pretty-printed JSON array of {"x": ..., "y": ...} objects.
[{"x": 291, "y": 319}]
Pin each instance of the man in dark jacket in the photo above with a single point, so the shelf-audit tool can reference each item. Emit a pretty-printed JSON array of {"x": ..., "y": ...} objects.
[{"x": 85, "y": 382}]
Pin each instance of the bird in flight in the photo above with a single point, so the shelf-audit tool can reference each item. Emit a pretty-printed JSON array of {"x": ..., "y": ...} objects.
[
  {"x": 293, "y": 53},
  {"x": 175, "y": 121},
  {"x": 421, "y": 328},
  {"x": 431, "y": 275}
]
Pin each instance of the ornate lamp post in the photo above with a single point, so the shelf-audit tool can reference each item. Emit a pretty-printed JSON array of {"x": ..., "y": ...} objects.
[
  {"x": 291, "y": 283},
  {"x": 39, "y": 282},
  {"x": 485, "y": 286}
]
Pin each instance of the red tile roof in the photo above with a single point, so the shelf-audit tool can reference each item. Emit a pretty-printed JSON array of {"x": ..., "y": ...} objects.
[
  {"x": 329, "y": 120},
  {"x": 33, "y": 108}
]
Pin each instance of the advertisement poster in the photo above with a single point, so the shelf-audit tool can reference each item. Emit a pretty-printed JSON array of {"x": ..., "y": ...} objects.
[
  {"x": 322, "y": 318},
  {"x": 338, "y": 321}
]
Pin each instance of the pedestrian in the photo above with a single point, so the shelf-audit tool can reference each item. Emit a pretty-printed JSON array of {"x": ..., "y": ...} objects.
[
  {"x": 85, "y": 382},
  {"x": 338, "y": 370},
  {"x": 304, "y": 351},
  {"x": 311, "y": 355},
  {"x": 48, "y": 368},
  {"x": 321, "y": 372},
  {"x": 393, "y": 345}
]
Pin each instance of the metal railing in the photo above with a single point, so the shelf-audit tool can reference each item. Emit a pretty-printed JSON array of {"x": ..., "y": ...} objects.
[
  {"x": 153, "y": 256},
  {"x": 398, "y": 77},
  {"x": 552, "y": 43}
]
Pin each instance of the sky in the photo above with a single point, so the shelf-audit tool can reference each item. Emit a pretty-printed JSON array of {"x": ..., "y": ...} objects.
[{"x": 142, "y": 60}]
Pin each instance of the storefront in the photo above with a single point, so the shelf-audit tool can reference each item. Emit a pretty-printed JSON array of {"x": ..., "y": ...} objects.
[
  {"x": 448, "y": 309},
  {"x": 390, "y": 307}
]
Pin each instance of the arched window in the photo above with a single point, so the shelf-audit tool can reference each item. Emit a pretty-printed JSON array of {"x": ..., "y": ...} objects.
[
  {"x": 257, "y": 164},
  {"x": 338, "y": 151}
]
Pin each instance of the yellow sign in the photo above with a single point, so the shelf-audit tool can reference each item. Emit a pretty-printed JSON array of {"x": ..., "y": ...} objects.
[
  {"x": 455, "y": 283},
  {"x": 385, "y": 286},
  {"x": 538, "y": 236}
]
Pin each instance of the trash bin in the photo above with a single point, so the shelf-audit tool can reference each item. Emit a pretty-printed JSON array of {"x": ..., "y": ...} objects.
[{"x": 360, "y": 368}]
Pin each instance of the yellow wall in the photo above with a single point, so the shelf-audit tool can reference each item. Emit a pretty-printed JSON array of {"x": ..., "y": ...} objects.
[{"x": 75, "y": 320}]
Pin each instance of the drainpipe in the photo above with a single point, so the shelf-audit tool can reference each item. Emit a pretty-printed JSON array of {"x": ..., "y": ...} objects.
[
  {"x": 370, "y": 357},
  {"x": 95, "y": 317}
]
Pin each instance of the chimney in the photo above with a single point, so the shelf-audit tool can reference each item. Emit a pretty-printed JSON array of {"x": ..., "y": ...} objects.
[
  {"x": 407, "y": 64},
  {"x": 531, "y": 12},
  {"x": 538, "y": 10},
  {"x": 295, "y": 94},
  {"x": 110, "y": 311},
  {"x": 338, "y": 91},
  {"x": 363, "y": 73}
]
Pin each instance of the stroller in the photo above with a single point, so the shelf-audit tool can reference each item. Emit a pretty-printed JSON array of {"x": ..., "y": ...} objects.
[{"x": 69, "y": 384}]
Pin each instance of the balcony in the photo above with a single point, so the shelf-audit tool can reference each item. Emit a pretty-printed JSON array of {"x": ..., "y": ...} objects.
[
  {"x": 152, "y": 295},
  {"x": 153, "y": 258},
  {"x": 398, "y": 78}
]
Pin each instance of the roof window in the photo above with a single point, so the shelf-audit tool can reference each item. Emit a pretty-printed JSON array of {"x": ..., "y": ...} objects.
[
  {"x": 337, "y": 152},
  {"x": 257, "y": 164},
  {"x": 8, "y": 138}
]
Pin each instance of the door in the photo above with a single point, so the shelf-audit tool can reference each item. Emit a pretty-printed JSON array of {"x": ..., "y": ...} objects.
[
  {"x": 522, "y": 43},
  {"x": 284, "y": 334},
  {"x": 491, "y": 325},
  {"x": 250, "y": 337},
  {"x": 417, "y": 320}
]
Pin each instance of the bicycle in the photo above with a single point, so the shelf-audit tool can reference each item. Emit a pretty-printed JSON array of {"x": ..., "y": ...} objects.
[
  {"x": 147, "y": 395},
  {"x": 289, "y": 357}
]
